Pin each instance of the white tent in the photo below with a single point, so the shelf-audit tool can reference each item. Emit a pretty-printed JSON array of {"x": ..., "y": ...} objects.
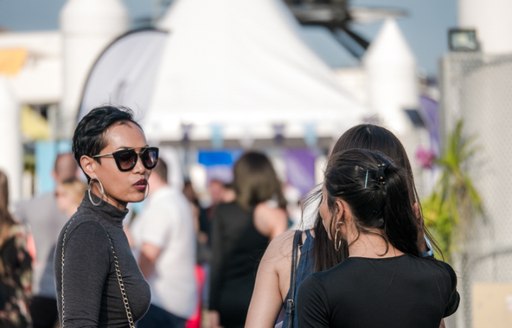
[{"x": 239, "y": 69}]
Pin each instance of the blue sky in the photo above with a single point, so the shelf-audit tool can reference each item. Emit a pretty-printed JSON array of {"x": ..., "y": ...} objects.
[{"x": 425, "y": 27}]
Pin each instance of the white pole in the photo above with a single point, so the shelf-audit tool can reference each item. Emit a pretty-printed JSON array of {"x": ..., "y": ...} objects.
[
  {"x": 88, "y": 26},
  {"x": 10, "y": 141}
]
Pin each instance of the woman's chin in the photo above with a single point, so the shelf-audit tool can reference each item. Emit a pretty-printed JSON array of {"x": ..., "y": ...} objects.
[{"x": 137, "y": 198}]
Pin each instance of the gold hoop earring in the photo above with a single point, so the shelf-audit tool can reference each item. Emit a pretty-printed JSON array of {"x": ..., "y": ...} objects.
[
  {"x": 89, "y": 188},
  {"x": 337, "y": 237}
]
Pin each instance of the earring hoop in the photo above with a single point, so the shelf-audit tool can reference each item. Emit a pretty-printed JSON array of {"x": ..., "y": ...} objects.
[
  {"x": 102, "y": 191},
  {"x": 337, "y": 237}
]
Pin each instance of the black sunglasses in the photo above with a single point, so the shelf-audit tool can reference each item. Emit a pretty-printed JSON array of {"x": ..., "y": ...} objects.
[{"x": 127, "y": 158}]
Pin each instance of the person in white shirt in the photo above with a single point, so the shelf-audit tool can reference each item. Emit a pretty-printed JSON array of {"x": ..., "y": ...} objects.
[{"x": 165, "y": 240}]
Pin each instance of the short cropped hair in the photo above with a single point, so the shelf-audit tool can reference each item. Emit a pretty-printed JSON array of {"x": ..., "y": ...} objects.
[{"x": 88, "y": 138}]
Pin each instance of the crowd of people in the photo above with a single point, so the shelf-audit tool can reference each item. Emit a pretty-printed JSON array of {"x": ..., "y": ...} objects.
[{"x": 366, "y": 262}]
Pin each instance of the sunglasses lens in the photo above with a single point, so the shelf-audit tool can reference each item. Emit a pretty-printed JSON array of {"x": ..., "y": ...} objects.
[
  {"x": 149, "y": 157},
  {"x": 125, "y": 159}
]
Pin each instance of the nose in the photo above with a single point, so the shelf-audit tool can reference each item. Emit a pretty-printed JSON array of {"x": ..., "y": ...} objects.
[{"x": 139, "y": 167}]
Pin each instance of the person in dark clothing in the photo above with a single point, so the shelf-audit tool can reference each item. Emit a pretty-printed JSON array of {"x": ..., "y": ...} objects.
[
  {"x": 241, "y": 232},
  {"x": 367, "y": 208},
  {"x": 98, "y": 281}
]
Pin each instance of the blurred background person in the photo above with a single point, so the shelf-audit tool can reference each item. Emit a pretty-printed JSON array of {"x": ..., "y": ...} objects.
[
  {"x": 69, "y": 193},
  {"x": 202, "y": 252},
  {"x": 193, "y": 199},
  {"x": 45, "y": 220},
  {"x": 164, "y": 235},
  {"x": 241, "y": 231},
  {"x": 201, "y": 225},
  {"x": 15, "y": 266},
  {"x": 219, "y": 192}
]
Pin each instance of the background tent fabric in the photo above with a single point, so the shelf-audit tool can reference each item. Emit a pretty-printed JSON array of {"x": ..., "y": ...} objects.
[
  {"x": 124, "y": 73},
  {"x": 238, "y": 69}
]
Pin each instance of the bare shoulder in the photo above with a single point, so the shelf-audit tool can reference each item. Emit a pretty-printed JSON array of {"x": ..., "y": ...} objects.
[
  {"x": 270, "y": 220},
  {"x": 280, "y": 247},
  {"x": 277, "y": 259},
  {"x": 283, "y": 241},
  {"x": 275, "y": 264}
]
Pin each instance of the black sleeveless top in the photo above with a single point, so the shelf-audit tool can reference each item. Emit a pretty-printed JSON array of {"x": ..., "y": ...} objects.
[{"x": 237, "y": 248}]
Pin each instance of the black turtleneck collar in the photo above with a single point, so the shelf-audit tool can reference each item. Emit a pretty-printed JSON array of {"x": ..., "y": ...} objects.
[{"x": 109, "y": 211}]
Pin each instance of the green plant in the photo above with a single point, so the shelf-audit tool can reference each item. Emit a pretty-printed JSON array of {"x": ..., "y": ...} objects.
[{"x": 454, "y": 201}]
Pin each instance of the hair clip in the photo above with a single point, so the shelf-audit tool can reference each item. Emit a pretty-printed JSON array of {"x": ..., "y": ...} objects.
[
  {"x": 366, "y": 180},
  {"x": 381, "y": 178}
]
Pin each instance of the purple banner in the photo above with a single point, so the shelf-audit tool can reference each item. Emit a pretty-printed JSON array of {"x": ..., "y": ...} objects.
[{"x": 300, "y": 169}]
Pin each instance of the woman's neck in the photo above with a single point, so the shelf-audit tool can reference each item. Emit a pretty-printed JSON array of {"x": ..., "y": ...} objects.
[
  {"x": 372, "y": 245},
  {"x": 106, "y": 198}
]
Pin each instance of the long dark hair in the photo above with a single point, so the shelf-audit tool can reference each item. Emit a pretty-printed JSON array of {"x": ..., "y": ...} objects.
[
  {"x": 256, "y": 181},
  {"x": 377, "y": 192},
  {"x": 365, "y": 136},
  {"x": 373, "y": 137}
]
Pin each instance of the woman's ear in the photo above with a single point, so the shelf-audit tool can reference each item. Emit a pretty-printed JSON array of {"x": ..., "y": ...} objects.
[
  {"x": 344, "y": 210},
  {"x": 340, "y": 210},
  {"x": 88, "y": 164}
]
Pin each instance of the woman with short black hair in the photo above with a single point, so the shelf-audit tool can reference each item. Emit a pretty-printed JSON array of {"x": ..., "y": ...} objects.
[{"x": 98, "y": 281}]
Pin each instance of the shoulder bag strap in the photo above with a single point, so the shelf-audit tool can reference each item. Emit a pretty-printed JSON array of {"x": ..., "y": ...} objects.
[
  {"x": 119, "y": 277},
  {"x": 290, "y": 301}
]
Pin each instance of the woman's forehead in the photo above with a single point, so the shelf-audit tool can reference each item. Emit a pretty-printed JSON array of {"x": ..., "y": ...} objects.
[{"x": 124, "y": 135}]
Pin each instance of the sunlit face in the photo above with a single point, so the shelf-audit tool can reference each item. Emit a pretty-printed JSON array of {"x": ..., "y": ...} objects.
[
  {"x": 123, "y": 187},
  {"x": 216, "y": 190}
]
